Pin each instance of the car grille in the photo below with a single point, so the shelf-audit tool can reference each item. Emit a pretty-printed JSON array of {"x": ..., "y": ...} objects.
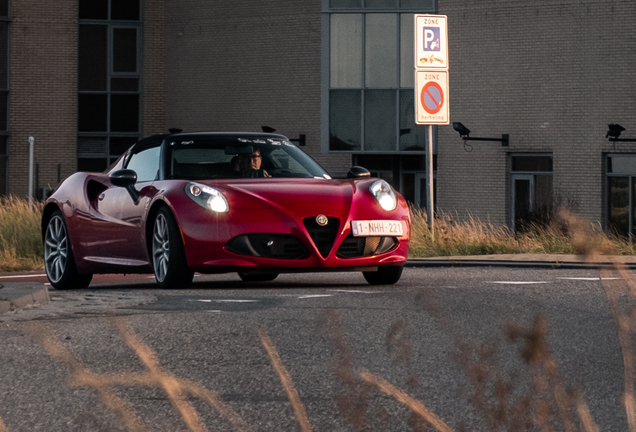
[
  {"x": 355, "y": 247},
  {"x": 281, "y": 246},
  {"x": 322, "y": 236}
]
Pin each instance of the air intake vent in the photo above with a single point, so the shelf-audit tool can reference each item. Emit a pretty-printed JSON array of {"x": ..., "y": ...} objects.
[
  {"x": 323, "y": 236},
  {"x": 281, "y": 246},
  {"x": 356, "y": 247}
]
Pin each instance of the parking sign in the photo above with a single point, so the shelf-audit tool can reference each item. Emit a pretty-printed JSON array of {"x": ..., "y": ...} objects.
[{"x": 431, "y": 42}]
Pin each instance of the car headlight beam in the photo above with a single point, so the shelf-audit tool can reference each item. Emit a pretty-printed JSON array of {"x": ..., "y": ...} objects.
[
  {"x": 384, "y": 193},
  {"x": 207, "y": 197}
]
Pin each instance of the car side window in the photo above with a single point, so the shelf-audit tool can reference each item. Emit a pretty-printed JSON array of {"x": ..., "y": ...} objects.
[{"x": 145, "y": 164}]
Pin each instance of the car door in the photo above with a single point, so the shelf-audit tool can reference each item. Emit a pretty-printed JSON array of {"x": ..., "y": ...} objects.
[{"x": 122, "y": 216}]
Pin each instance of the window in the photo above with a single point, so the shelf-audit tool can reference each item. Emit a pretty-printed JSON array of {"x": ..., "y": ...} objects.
[
  {"x": 370, "y": 76},
  {"x": 202, "y": 158},
  {"x": 531, "y": 196},
  {"x": 109, "y": 74},
  {"x": 145, "y": 164},
  {"x": 620, "y": 171},
  {"x": 4, "y": 94}
]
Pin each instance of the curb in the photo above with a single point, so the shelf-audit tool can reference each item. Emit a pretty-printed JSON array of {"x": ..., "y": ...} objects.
[
  {"x": 17, "y": 296},
  {"x": 507, "y": 263}
]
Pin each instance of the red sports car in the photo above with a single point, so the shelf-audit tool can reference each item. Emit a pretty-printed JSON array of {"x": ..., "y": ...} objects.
[{"x": 252, "y": 203}]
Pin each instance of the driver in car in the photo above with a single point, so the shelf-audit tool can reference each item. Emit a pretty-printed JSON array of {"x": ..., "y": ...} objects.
[{"x": 250, "y": 165}]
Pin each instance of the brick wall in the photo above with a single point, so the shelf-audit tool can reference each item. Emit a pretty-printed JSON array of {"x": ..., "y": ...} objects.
[
  {"x": 236, "y": 66},
  {"x": 43, "y": 90},
  {"x": 154, "y": 70},
  {"x": 552, "y": 75}
]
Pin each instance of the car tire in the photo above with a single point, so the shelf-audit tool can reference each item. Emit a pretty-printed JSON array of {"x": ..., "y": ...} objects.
[
  {"x": 168, "y": 254},
  {"x": 384, "y": 275},
  {"x": 59, "y": 261},
  {"x": 257, "y": 277}
]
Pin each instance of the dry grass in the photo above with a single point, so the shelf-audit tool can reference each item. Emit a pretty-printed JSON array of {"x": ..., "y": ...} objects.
[
  {"x": 473, "y": 236},
  {"x": 20, "y": 238}
]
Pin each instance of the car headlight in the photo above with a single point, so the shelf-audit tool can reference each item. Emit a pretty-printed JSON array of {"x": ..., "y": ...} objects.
[
  {"x": 207, "y": 197},
  {"x": 384, "y": 193}
]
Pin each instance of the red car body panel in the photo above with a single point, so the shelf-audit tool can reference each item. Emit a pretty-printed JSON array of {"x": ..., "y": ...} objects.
[{"x": 109, "y": 230}]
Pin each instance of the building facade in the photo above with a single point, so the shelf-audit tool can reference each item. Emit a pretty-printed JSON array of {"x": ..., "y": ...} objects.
[{"x": 86, "y": 78}]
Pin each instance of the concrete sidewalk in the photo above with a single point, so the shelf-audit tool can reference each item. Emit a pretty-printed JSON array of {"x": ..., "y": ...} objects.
[{"x": 18, "y": 295}]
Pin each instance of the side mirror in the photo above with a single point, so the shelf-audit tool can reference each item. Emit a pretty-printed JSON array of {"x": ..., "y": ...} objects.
[
  {"x": 358, "y": 172},
  {"x": 126, "y": 178}
]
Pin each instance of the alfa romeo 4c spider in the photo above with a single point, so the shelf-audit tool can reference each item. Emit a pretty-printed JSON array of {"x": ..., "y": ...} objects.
[{"x": 251, "y": 203}]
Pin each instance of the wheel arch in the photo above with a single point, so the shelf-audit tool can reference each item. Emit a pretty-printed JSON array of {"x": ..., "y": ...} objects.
[
  {"x": 152, "y": 213},
  {"x": 178, "y": 272},
  {"x": 48, "y": 211}
]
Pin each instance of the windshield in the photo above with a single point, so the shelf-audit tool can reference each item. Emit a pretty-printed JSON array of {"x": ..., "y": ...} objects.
[{"x": 204, "y": 158}]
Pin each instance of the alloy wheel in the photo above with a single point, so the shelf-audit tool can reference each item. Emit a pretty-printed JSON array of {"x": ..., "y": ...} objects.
[
  {"x": 161, "y": 247},
  {"x": 55, "y": 249}
]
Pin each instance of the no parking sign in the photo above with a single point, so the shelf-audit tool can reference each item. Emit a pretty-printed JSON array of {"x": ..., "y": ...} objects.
[{"x": 431, "y": 97}]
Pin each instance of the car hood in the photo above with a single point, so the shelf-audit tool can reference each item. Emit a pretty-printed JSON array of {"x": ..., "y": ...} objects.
[{"x": 324, "y": 196}]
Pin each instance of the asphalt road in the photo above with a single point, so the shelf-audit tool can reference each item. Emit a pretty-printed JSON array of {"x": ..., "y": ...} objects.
[{"x": 288, "y": 355}]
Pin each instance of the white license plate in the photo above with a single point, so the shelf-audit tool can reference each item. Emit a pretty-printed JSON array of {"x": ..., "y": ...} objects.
[{"x": 377, "y": 228}]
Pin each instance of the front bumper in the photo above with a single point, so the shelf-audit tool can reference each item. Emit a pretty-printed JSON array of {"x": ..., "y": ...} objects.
[{"x": 280, "y": 242}]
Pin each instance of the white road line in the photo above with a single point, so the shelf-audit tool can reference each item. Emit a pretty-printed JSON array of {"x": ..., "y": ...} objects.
[
  {"x": 315, "y": 296},
  {"x": 237, "y": 301},
  {"x": 22, "y": 276},
  {"x": 518, "y": 282},
  {"x": 356, "y": 291},
  {"x": 588, "y": 279},
  {"x": 222, "y": 301}
]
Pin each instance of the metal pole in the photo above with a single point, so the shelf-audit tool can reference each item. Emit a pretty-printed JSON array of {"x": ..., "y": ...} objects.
[
  {"x": 31, "y": 151},
  {"x": 429, "y": 180}
]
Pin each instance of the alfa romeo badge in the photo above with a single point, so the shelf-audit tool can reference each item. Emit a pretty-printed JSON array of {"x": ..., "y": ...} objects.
[{"x": 322, "y": 220}]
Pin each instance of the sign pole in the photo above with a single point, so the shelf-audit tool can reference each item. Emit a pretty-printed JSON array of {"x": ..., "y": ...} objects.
[
  {"x": 429, "y": 180},
  {"x": 30, "y": 183},
  {"x": 431, "y": 90}
]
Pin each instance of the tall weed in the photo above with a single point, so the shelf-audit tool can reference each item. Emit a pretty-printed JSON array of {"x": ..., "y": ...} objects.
[
  {"x": 473, "y": 236},
  {"x": 20, "y": 238}
]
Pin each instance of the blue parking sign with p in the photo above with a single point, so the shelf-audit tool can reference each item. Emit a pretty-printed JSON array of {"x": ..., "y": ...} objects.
[{"x": 431, "y": 39}]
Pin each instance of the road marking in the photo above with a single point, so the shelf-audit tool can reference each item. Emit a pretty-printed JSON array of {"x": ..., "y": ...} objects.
[
  {"x": 236, "y": 301},
  {"x": 518, "y": 282},
  {"x": 315, "y": 295},
  {"x": 22, "y": 276},
  {"x": 588, "y": 279},
  {"x": 222, "y": 301},
  {"x": 356, "y": 291}
]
